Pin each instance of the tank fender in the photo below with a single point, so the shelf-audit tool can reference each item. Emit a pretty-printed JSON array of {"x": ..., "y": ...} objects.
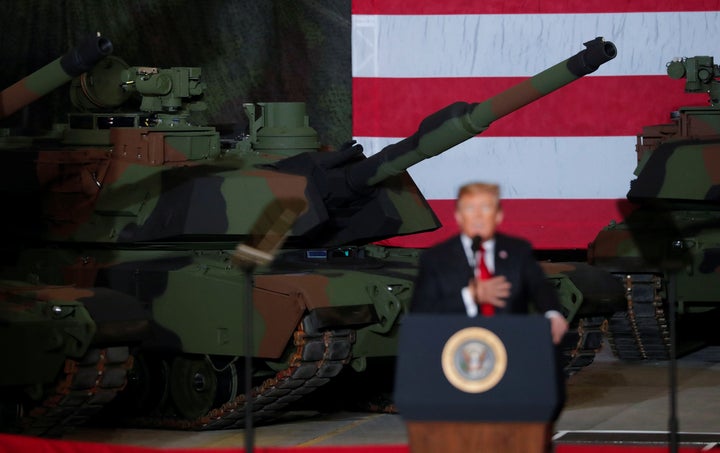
[{"x": 309, "y": 292}]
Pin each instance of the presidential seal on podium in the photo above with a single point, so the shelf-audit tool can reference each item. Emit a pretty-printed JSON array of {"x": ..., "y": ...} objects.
[{"x": 474, "y": 360}]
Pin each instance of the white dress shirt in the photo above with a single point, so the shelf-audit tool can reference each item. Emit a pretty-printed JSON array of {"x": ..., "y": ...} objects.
[{"x": 489, "y": 247}]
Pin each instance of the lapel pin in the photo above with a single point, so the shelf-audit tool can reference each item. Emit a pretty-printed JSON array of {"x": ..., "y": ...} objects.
[{"x": 503, "y": 254}]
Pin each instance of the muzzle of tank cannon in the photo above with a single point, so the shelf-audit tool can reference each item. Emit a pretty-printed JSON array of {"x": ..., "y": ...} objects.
[
  {"x": 354, "y": 199},
  {"x": 51, "y": 76}
]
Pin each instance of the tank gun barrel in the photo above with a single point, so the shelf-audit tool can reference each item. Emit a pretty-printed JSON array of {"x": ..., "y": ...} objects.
[
  {"x": 461, "y": 121},
  {"x": 51, "y": 76}
]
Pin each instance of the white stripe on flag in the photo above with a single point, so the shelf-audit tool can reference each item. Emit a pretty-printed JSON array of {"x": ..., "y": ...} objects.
[
  {"x": 524, "y": 44},
  {"x": 527, "y": 167}
]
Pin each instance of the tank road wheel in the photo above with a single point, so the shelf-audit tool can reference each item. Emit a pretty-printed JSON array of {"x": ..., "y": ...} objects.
[
  {"x": 203, "y": 393},
  {"x": 196, "y": 386},
  {"x": 146, "y": 391}
]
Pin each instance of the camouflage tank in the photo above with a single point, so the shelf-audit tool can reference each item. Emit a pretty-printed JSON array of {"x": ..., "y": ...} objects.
[
  {"x": 148, "y": 205},
  {"x": 672, "y": 234}
]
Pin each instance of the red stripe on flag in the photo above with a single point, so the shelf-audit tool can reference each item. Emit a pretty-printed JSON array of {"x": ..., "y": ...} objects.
[
  {"x": 547, "y": 224},
  {"x": 529, "y": 6},
  {"x": 591, "y": 106}
]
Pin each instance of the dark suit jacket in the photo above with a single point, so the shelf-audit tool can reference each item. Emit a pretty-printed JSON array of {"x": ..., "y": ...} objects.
[{"x": 444, "y": 271}]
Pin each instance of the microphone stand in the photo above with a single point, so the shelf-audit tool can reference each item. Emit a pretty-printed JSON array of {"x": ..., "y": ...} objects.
[
  {"x": 247, "y": 258},
  {"x": 249, "y": 429},
  {"x": 674, "y": 262},
  {"x": 673, "y": 258},
  {"x": 672, "y": 368},
  {"x": 267, "y": 235}
]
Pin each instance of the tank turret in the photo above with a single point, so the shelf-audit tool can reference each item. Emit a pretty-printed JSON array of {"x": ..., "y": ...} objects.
[
  {"x": 53, "y": 75},
  {"x": 344, "y": 189},
  {"x": 668, "y": 154}
]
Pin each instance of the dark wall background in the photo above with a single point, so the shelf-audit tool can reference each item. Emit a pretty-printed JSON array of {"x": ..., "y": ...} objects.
[{"x": 250, "y": 50}]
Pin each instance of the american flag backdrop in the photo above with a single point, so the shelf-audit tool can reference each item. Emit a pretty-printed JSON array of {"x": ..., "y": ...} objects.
[{"x": 563, "y": 162}]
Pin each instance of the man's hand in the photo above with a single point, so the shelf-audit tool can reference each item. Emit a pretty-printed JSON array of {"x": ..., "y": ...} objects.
[
  {"x": 558, "y": 327},
  {"x": 492, "y": 291}
]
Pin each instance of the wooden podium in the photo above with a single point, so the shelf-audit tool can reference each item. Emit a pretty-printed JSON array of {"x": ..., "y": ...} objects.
[{"x": 478, "y": 385}]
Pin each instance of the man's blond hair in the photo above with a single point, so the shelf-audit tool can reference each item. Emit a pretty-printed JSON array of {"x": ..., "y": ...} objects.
[{"x": 479, "y": 187}]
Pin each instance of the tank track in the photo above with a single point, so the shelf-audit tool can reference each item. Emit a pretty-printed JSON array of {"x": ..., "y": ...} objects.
[
  {"x": 83, "y": 389},
  {"x": 641, "y": 332},
  {"x": 580, "y": 345},
  {"x": 317, "y": 358}
]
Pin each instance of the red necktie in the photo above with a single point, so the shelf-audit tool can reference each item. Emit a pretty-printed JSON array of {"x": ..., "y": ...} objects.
[{"x": 484, "y": 274}]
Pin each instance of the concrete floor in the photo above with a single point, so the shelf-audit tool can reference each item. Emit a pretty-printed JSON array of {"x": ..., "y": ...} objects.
[
  {"x": 609, "y": 401},
  {"x": 613, "y": 400}
]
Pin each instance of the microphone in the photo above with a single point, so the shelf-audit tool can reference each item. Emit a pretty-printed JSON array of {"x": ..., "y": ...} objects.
[{"x": 476, "y": 241}]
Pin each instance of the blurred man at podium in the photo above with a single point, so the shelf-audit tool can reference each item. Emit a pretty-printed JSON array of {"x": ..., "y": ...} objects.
[{"x": 481, "y": 272}]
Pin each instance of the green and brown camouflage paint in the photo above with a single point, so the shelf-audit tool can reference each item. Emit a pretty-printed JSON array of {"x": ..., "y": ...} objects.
[{"x": 150, "y": 206}]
